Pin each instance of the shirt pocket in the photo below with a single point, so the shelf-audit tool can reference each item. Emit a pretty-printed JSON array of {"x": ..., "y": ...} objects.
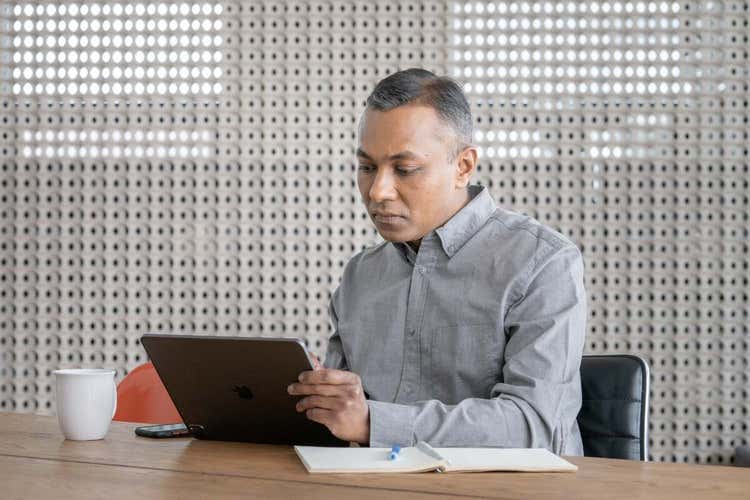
[{"x": 466, "y": 361}]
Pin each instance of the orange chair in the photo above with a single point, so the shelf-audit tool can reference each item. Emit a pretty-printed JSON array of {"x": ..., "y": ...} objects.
[{"x": 142, "y": 398}]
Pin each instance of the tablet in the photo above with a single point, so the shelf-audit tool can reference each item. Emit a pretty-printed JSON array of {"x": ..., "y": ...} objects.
[{"x": 235, "y": 389}]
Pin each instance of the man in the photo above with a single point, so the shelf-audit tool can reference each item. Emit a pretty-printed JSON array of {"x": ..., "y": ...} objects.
[{"x": 466, "y": 326}]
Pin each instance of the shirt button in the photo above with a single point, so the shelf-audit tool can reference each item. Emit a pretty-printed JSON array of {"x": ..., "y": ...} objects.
[{"x": 412, "y": 331}]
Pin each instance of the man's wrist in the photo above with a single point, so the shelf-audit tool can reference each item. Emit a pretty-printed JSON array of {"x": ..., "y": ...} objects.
[{"x": 364, "y": 436}]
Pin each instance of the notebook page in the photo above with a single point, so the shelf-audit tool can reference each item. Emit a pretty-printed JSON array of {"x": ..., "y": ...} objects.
[
  {"x": 327, "y": 459},
  {"x": 503, "y": 459}
]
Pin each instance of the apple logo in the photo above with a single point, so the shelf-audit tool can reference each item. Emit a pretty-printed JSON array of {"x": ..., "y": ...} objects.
[{"x": 243, "y": 391}]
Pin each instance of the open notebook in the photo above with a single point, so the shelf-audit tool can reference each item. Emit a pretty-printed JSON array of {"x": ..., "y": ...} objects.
[{"x": 424, "y": 458}]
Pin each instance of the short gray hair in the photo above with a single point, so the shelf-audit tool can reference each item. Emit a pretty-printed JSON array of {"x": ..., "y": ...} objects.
[{"x": 419, "y": 86}]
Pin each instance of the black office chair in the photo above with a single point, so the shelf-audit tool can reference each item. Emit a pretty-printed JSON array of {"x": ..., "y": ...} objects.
[
  {"x": 614, "y": 414},
  {"x": 742, "y": 456}
]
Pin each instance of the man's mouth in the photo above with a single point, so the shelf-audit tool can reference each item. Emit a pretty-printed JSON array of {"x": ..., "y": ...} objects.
[{"x": 387, "y": 218}]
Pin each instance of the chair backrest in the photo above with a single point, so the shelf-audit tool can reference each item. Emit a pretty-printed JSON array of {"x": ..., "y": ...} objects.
[
  {"x": 142, "y": 397},
  {"x": 614, "y": 413}
]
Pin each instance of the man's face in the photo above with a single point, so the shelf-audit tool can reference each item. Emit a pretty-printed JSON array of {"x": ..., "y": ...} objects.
[{"x": 408, "y": 181}]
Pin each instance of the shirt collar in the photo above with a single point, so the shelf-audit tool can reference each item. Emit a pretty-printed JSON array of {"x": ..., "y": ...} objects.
[
  {"x": 461, "y": 227},
  {"x": 466, "y": 222}
]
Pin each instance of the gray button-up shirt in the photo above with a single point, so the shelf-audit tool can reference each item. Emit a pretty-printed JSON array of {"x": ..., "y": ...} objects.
[{"x": 474, "y": 340}]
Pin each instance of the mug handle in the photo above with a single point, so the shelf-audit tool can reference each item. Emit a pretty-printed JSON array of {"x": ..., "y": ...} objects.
[{"x": 114, "y": 409}]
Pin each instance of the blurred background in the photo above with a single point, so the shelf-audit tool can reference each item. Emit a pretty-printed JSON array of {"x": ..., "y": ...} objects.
[{"x": 188, "y": 167}]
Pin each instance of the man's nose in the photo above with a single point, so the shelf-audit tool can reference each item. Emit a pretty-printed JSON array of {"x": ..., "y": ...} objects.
[{"x": 383, "y": 186}]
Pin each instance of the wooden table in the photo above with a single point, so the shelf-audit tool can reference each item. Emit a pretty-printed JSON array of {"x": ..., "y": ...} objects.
[{"x": 36, "y": 462}]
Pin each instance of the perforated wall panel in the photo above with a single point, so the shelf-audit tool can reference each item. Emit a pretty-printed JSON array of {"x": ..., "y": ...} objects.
[{"x": 188, "y": 167}]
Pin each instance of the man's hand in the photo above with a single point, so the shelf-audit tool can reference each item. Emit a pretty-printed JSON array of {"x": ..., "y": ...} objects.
[
  {"x": 316, "y": 361},
  {"x": 334, "y": 398}
]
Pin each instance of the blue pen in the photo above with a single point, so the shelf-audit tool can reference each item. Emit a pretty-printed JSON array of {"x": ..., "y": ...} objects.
[{"x": 395, "y": 453}]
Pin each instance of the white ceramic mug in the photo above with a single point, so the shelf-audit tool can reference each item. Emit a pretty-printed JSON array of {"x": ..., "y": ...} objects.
[{"x": 86, "y": 402}]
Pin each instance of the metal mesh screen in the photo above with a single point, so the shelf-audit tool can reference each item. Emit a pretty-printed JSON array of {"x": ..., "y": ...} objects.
[{"x": 188, "y": 167}]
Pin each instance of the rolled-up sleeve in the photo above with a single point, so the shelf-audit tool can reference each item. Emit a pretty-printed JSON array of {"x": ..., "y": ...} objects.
[{"x": 538, "y": 398}]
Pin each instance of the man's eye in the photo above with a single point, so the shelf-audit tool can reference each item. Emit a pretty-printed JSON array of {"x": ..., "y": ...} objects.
[
  {"x": 407, "y": 170},
  {"x": 366, "y": 168}
]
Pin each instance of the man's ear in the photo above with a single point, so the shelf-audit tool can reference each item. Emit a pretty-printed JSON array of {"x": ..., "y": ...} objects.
[{"x": 466, "y": 164}]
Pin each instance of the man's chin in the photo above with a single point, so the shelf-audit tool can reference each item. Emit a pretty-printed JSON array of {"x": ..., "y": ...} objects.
[{"x": 397, "y": 236}]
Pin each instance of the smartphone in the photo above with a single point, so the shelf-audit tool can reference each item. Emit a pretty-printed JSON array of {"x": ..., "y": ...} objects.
[{"x": 162, "y": 431}]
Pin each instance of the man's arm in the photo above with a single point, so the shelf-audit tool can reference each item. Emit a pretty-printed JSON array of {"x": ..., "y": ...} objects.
[
  {"x": 335, "y": 357},
  {"x": 539, "y": 397},
  {"x": 332, "y": 395}
]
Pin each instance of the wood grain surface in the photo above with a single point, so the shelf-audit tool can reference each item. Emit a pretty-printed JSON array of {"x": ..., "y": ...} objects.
[{"x": 37, "y": 462}]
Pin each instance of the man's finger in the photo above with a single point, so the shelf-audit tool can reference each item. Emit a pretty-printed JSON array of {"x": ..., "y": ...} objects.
[
  {"x": 298, "y": 389},
  {"x": 328, "y": 376},
  {"x": 320, "y": 415},
  {"x": 319, "y": 402},
  {"x": 316, "y": 362}
]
